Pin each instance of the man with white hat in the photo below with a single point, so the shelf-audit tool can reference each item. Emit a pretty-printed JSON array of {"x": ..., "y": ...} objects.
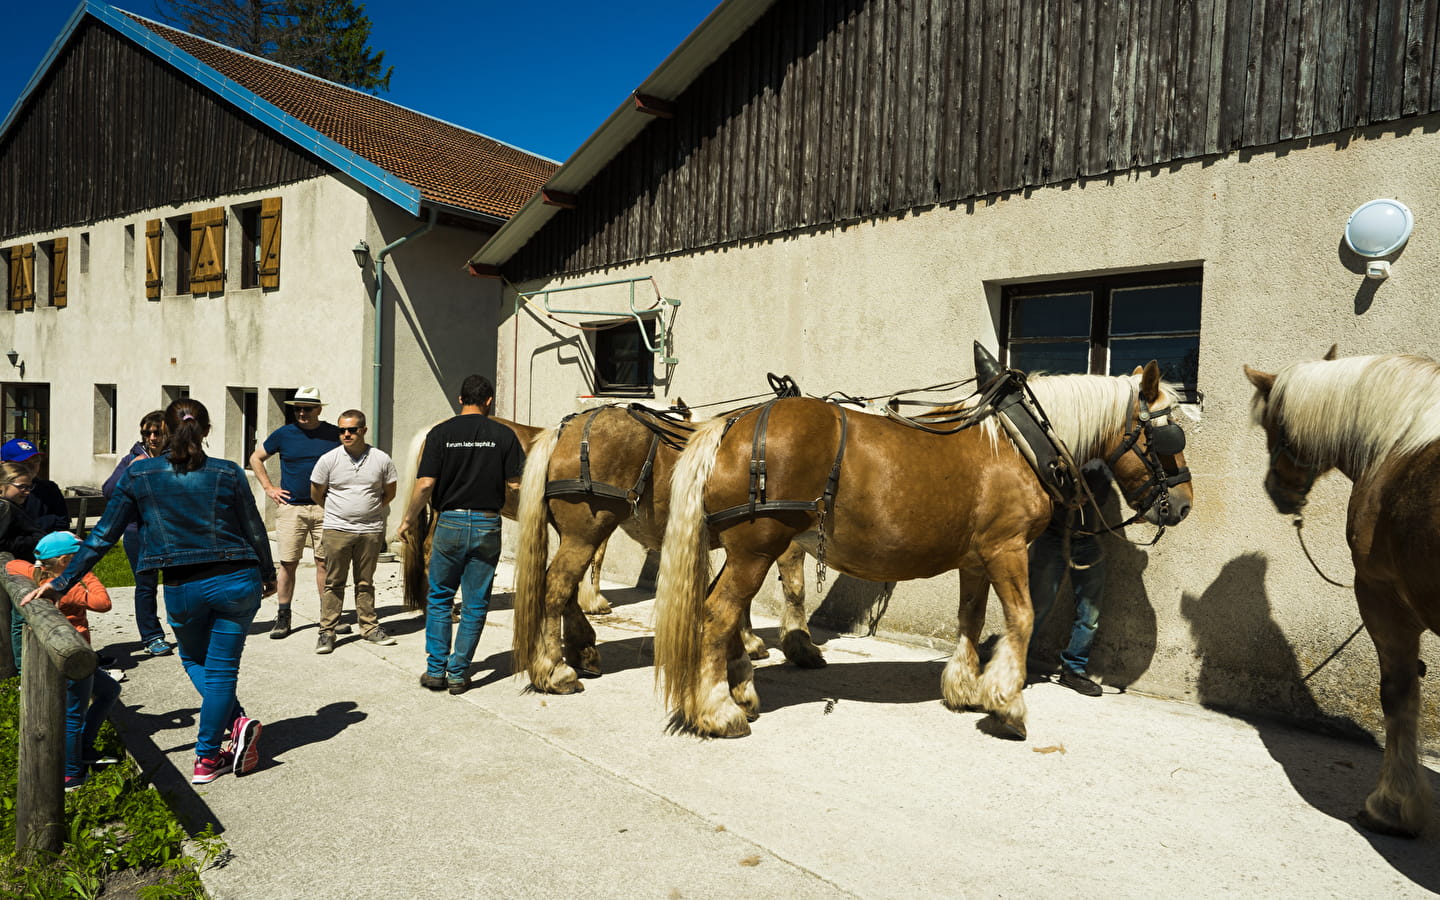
[{"x": 299, "y": 522}]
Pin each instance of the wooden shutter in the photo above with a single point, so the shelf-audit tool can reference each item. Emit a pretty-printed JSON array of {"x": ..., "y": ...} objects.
[
  {"x": 26, "y": 294},
  {"x": 15, "y": 295},
  {"x": 152, "y": 259},
  {"x": 207, "y": 251},
  {"x": 270, "y": 243},
  {"x": 58, "y": 272}
]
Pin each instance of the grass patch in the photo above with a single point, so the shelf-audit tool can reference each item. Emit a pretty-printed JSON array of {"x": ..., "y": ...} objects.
[
  {"x": 113, "y": 569},
  {"x": 115, "y": 823}
]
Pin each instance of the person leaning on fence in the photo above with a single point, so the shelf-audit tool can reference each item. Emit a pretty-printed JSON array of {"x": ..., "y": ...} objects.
[
  {"x": 147, "y": 590},
  {"x": 468, "y": 463},
  {"x": 205, "y": 536},
  {"x": 87, "y": 700},
  {"x": 46, "y": 503},
  {"x": 354, "y": 484}
]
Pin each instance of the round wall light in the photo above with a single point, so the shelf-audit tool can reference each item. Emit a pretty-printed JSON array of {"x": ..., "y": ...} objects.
[{"x": 1379, "y": 228}]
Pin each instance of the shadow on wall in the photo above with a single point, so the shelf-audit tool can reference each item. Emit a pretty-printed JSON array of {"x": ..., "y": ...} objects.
[
  {"x": 853, "y": 606},
  {"x": 1249, "y": 671},
  {"x": 1125, "y": 639}
]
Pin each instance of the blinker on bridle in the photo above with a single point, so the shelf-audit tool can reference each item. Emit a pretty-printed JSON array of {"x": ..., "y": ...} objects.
[{"x": 1160, "y": 440}]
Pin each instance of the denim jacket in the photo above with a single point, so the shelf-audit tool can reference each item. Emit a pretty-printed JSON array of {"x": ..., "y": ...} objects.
[{"x": 203, "y": 516}]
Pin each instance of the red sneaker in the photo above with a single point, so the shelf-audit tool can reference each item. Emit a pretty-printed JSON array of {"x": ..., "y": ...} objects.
[
  {"x": 207, "y": 770},
  {"x": 245, "y": 745}
]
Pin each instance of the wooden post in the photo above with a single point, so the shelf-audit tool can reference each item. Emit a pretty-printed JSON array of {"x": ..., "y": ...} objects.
[
  {"x": 54, "y": 652},
  {"x": 7, "y": 652}
]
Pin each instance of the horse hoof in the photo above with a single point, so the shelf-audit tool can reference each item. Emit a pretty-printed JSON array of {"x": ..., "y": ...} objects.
[
  {"x": 1005, "y": 730},
  {"x": 1380, "y": 826},
  {"x": 760, "y": 653},
  {"x": 561, "y": 680},
  {"x": 589, "y": 663},
  {"x": 803, "y": 654},
  {"x": 601, "y": 607}
]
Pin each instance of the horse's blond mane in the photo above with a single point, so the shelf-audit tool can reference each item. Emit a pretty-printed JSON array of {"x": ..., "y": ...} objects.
[
  {"x": 1356, "y": 412},
  {"x": 1087, "y": 410}
]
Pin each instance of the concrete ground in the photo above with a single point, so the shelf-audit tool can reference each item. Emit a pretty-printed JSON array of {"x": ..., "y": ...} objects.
[{"x": 856, "y": 782}]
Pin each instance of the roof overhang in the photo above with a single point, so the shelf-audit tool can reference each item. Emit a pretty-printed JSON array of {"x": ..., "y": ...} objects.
[
  {"x": 710, "y": 38},
  {"x": 401, "y": 193}
]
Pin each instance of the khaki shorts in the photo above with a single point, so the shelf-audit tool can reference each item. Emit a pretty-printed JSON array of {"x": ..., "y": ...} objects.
[{"x": 298, "y": 527}]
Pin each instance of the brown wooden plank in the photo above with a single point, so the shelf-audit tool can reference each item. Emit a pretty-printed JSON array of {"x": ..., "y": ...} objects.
[
  {"x": 1387, "y": 84},
  {"x": 1289, "y": 29},
  {"x": 1420, "y": 40},
  {"x": 60, "y": 272},
  {"x": 1331, "y": 76},
  {"x": 1230, "y": 116},
  {"x": 1359, "y": 61},
  {"x": 1307, "y": 49},
  {"x": 1122, "y": 86},
  {"x": 270, "y": 240},
  {"x": 925, "y": 178},
  {"x": 1065, "y": 75},
  {"x": 1164, "y": 23},
  {"x": 1032, "y": 138},
  {"x": 1189, "y": 42},
  {"x": 808, "y": 148},
  {"x": 27, "y": 276},
  {"x": 968, "y": 159}
]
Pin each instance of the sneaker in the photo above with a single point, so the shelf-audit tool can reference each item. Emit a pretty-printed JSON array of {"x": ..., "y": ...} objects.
[
  {"x": 342, "y": 628},
  {"x": 459, "y": 686},
  {"x": 1080, "y": 683},
  {"x": 207, "y": 770},
  {"x": 159, "y": 647},
  {"x": 245, "y": 747},
  {"x": 282, "y": 623},
  {"x": 117, "y": 675},
  {"x": 378, "y": 635},
  {"x": 96, "y": 758},
  {"x": 74, "y": 781},
  {"x": 325, "y": 643},
  {"x": 433, "y": 682}
]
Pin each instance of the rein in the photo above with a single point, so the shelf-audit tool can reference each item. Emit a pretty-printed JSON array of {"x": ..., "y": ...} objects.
[{"x": 1300, "y": 533}]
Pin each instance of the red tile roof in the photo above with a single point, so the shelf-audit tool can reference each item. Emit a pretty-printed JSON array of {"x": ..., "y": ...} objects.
[{"x": 448, "y": 164}]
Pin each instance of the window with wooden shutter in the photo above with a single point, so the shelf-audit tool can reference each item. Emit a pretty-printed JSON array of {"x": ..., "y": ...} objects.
[
  {"x": 59, "y": 259},
  {"x": 24, "y": 289},
  {"x": 207, "y": 251},
  {"x": 12, "y": 278},
  {"x": 270, "y": 243},
  {"x": 152, "y": 259}
]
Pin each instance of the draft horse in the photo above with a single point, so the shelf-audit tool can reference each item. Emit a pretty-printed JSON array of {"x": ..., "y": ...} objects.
[
  {"x": 894, "y": 503},
  {"x": 605, "y": 469},
  {"x": 415, "y": 548},
  {"x": 1377, "y": 420}
]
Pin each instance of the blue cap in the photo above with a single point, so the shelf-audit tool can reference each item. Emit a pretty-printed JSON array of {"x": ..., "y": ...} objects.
[
  {"x": 17, "y": 450},
  {"x": 56, "y": 543}
]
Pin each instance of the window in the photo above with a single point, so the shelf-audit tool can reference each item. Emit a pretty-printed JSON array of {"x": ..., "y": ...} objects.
[
  {"x": 1108, "y": 326},
  {"x": 623, "y": 362},
  {"x": 169, "y": 393},
  {"x": 84, "y": 253},
  {"x": 279, "y": 413},
  {"x": 104, "y": 418},
  {"x": 242, "y": 424},
  {"x": 180, "y": 239},
  {"x": 249, "y": 217},
  {"x": 129, "y": 249}
]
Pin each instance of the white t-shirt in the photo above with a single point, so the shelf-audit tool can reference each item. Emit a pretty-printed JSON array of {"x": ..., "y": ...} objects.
[{"x": 355, "y": 487}]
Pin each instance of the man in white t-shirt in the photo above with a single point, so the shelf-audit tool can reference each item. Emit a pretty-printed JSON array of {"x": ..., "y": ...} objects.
[{"x": 354, "y": 483}]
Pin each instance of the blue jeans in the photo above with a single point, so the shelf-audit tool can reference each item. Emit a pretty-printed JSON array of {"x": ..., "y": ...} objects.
[
  {"x": 147, "y": 590},
  {"x": 463, "y": 556},
  {"x": 210, "y": 618},
  {"x": 1047, "y": 568},
  {"x": 87, "y": 703}
]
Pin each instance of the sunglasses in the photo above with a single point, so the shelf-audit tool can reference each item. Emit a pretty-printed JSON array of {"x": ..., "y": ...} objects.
[
  {"x": 152, "y": 432},
  {"x": 356, "y": 430},
  {"x": 21, "y": 487}
]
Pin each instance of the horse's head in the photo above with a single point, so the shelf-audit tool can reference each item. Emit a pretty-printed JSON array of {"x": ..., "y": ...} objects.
[
  {"x": 1148, "y": 460},
  {"x": 1290, "y": 476}
]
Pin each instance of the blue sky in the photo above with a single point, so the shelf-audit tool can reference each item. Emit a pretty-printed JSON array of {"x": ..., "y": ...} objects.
[{"x": 541, "y": 75}]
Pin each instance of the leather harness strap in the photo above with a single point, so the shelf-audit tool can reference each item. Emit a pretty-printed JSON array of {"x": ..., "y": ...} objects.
[
  {"x": 758, "y": 500},
  {"x": 587, "y": 486}
]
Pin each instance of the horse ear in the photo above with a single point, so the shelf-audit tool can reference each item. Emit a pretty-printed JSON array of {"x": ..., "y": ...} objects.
[
  {"x": 1138, "y": 370},
  {"x": 1330, "y": 354},
  {"x": 1263, "y": 381},
  {"x": 1150, "y": 382}
]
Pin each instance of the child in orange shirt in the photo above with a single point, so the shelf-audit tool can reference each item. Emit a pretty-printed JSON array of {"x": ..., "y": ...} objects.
[{"x": 88, "y": 700}]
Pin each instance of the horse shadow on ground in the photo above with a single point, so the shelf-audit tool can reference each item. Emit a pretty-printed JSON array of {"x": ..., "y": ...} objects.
[{"x": 1238, "y": 639}]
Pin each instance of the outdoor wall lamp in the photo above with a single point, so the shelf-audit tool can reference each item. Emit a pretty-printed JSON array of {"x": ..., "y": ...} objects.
[
  {"x": 1377, "y": 229},
  {"x": 13, "y": 356},
  {"x": 362, "y": 254}
]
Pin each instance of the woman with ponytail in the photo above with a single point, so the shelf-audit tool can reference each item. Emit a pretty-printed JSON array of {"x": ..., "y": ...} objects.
[{"x": 205, "y": 536}]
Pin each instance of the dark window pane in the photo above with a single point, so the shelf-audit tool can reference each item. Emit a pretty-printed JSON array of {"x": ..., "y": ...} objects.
[
  {"x": 1155, "y": 309},
  {"x": 623, "y": 363},
  {"x": 1051, "y": 315},
  {"x": 1179, "y": 357},
  {"x": 1060, "y": 359}
]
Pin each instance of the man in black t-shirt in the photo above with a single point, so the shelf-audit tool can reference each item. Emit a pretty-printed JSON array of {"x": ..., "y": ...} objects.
[{"x": 464, "y": 470}]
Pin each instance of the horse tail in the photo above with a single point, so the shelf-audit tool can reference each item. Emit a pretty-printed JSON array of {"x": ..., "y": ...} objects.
[
  {"x": 684, "y": 577},
  {"x": 532, "y": 549},
  {"x": 414, "y": 545}
]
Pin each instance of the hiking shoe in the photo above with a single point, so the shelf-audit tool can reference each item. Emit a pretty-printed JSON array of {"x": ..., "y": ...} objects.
[
  {"x": 74, "y": 781},
  {"x": 159, "y": 647},
  {"x": 207, "y": 770},
  {"x": 460, "y": 686},
  {"x": 1080, "y": 683},
  {"x": 433, "y": 682},
  {"x": 378, "y": 635},
  {"x": 282, "y": 623},
  {"x": 325, "y": 643},
  {"x": 245, "y": 746}
]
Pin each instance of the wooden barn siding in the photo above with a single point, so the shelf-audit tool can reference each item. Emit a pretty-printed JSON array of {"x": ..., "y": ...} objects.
[
  {"x": 114, "y": 131},
  {"x": 832, "y": 110}
]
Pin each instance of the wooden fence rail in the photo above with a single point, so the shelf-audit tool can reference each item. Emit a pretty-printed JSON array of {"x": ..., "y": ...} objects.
[{"x": 53, "y": 653}]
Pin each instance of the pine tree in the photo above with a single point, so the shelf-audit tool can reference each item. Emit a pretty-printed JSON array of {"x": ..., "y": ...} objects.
[{"x": 327, "y": 38}]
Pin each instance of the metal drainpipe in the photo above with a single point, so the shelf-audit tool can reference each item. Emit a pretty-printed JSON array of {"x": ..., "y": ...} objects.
[{"x": 377, "y": 418}]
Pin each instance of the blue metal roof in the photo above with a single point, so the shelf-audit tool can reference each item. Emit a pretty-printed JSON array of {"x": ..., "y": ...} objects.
[{"x": 401, "y": 193}]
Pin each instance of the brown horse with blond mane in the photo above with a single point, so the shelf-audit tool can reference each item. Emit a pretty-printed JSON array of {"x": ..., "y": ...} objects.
[
  {"x": 1377, "y": 420},
  {"x": 905, "y": 503},
  {"x": 607, "y": 468}
]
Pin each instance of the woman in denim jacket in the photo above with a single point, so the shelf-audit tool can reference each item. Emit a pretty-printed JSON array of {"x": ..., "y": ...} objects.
[{"x": 204, "y": 534}]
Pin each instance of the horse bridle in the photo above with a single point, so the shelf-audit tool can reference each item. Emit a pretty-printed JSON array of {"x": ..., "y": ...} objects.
[
  {"x": 1312, "y": 471},
  {"x": 1166, "y": 439}
]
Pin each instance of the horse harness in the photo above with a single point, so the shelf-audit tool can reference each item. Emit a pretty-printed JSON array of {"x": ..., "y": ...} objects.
[
  {"x": 759, "y": 501},
  {"x": 667, "y": 426}
]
